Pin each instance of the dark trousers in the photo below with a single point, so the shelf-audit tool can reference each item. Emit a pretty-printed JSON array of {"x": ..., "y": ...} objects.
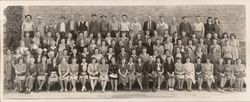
[
  {"x": 62, "y": 35},
  {"x": 145, "y": 82},
  {"x": 113, "y": 33},
  {"x": 104, "y": 34}
]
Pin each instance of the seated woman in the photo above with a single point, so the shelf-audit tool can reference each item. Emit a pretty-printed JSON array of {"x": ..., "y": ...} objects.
[
  {"x": 123, "y": 78},
  {"x": 31, "y": 75},
  {"x": 240, "y": 74},
  {"x": 103, "y": 69},
  {"x": 113, "y": 74},
  {"x": 159, "y": 70},
  {"x": 179, "y": 73},
  {"x": 97, "y": 55},
  {"x": 74, "y": 67},
  {"x": 42, "y": 73},
  {"x": 53, "y": 73},
  {"x": 189, "y": 71},
  {"x": 93, "y": 74},
  {"x": 84, "y": 74},
  {"x": 219, "y": 69},
  {"x": 131, "y": 72},
  {"x": 229, "y": 74},
  {"x": 138, "y": 72},
  {"x": 63, "y": 70},
  {"x": 198, "y": 72},
  {"x": 208, "y": 70},
  {"x": 169, "y": 73},
  {"x": 20, "y": 70}
]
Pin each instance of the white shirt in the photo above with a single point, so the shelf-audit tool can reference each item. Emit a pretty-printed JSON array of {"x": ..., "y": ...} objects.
[
  {"x": 125, "y": 26},
  {"x": 62, "y": 27}
]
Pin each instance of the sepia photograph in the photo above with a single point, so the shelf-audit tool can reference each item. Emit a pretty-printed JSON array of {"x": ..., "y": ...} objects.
[{"x": 129, "y": 51}]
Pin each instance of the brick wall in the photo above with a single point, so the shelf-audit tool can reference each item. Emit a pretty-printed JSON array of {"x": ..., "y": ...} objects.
[{"x": 232, "y": 16}]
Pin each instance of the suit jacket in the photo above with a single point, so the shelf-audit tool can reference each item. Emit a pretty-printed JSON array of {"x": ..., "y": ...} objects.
[
  {"x": 58, "y": 26},
  {"x": 68, "y": 25},
  {"x": 153, "y": 26}
]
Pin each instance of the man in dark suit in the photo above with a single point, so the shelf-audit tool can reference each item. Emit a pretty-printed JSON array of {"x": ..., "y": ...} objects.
[
  {"x": 149, "y": 25},
  {"x": 185, "y": 26},
  {"x": 71, "y": 26},
  {"x": 148, "y": 73},
  {"x": 61, "y": 27}
]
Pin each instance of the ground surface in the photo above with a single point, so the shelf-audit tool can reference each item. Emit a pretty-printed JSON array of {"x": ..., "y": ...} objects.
[{"x": 163, "y": 94}]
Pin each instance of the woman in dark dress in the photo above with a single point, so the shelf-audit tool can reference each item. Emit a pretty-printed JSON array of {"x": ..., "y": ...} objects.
[
  {"x": 30, "y": 75},
  {"x": 84, "y": 74},
  {"x": 209, "y": 26},
  {"x": 169, "y": 73},
  {"x": 113, "y": 74},
  {"x": 53, "y": 73},
  {"x": 198, "y": 72},
  {"x": 138, "y": 71}
]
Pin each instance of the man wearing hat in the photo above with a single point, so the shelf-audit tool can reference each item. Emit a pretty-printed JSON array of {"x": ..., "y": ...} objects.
[
  {"x": 94, "y": 26},
  {"x": 104, "y": 26},
  {"x": 40, "y": 26},
  {"x": 28, "y": 26},
  {"x": 71, "y": 26},
  {"x": 61, "y": 27}
]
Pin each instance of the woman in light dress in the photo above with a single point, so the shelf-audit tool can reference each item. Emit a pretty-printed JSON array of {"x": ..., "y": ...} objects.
[
  {"x": 208, "y": 70},
  {"x": 229, "y": 74},
  {"x": 74, "y": 67},
  {"x": 84, "y": 74},
  {"x": 240, "y": 74},
  {"x": 235, "y": 46},
  {"x": 179, "y": 73},
  {"x": 136, "y": 27},
  {"x": 63, "y": 70},
  {"x": 103, "y": 70},
  {"x": 30, "y": 75},
  {"x": 8, "y": 71},
  {"x": 189, "y": 71},
  {"x": 227, "y": 51},
  {"x": 93, "y": 74}
]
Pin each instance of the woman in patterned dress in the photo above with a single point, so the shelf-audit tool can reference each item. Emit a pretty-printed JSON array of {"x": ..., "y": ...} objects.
[
  {"x": 113, "y": 74},
  {"x": 74, "y": 67},
  {"x": 131, "y": 72},
  {"x": 97, "y": 55},
  {"x": 20, "y": 71},
  {"x": 103, "y": 70},
  {"x": 84, "y": 74},
  {"x": 123, "y": 73},
  {"x": 136, "y": 26},
  {"x": 240, "y": 74},
  {"x": 103, "y": 48},
  {"x": 179, "y": 73},
  {"x": 93, "y": 72},
  {"x": 229, "y": 74},
  {"x": 208, "y": 70},
  {"x": 227, "y": 51}
]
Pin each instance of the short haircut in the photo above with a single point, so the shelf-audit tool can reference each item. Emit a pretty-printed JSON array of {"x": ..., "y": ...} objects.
[
  {"x": 125, "y": 16},
  {"x": 28, "y": 16},
  {"x": 93, "y": 15}
]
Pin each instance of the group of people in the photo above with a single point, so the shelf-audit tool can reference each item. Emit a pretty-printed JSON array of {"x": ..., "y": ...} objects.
[{"x": 122, "y": 53}]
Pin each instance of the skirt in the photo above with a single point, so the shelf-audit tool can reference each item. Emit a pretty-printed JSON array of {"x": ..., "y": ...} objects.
[
  {"x": 82, "y": 77},
  {"x": 209, "y": 77},
  {"x": 41, "y": 77},
  {"x": 123, "y": 79},
  {"x": 131, "y": 77},
  {"x": 73, "y": 77},
  {"x": 180, "y": 77},
  {"x": 113, "y": 76},
  {"x": 66, "y": 78},
  {"x": 20, "y": 78},
  {"x": 104, "y": 78},
  {"x": 95, "y": 77},
  {"x": 198, "y": 76},
  {"x": 230, "y": 77},
  {"x": 188, "y": 76},
  {"x": 53, "y": 77}
]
